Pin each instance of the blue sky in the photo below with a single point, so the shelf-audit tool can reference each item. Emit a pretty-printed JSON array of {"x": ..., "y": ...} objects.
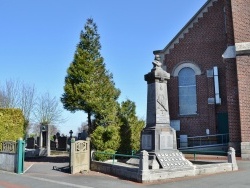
[{"x": 38, "y": 39}]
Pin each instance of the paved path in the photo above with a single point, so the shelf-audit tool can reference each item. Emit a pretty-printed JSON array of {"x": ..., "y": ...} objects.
[{"x": 42, "y": 175}]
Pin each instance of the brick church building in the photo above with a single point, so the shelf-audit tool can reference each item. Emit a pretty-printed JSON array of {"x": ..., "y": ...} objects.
[{"x": 209, "y": 66}]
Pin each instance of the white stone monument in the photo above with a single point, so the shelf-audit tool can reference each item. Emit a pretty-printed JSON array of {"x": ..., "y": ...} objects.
[{"x": 158, "y": 138}]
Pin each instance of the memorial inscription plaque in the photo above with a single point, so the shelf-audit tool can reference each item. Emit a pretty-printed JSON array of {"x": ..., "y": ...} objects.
[
  {"x": 166, "y": 141},
  {"x": 172, "y": 159},
  {"x": 147, "y": 141}
]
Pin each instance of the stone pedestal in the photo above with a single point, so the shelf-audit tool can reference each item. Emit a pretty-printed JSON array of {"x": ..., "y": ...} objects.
[{"x": 158, "y": 138}]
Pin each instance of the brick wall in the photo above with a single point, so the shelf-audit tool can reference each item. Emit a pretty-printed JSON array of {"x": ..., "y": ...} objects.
[
  {"x": 231, "y": 83},
  {"x": 203, "y": 45},
  {"x": 233, "y": 102},
  {"x": 227, "y": 22},
  {"x": 241, "y": 20},
  {"x": 243, "y": 67},
  {"x": 241, "y": 24}
]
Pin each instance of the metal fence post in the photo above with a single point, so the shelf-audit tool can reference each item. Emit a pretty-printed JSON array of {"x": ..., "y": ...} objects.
[
  {"x": 72, "y": 155},
  {"x": 20, "y": 156}
]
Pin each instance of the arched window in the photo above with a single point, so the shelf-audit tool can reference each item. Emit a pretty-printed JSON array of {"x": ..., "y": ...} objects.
[{"x": 187, "y": 91}]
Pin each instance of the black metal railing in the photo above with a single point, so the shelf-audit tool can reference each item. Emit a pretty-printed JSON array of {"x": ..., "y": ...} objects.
[{"x": 115, "y": 155}]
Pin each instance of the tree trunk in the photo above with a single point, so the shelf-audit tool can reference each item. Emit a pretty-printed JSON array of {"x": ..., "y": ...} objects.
[{"x": 90, "y": 130}]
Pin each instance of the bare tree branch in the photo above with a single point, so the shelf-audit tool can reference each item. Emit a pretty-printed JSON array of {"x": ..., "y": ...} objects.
[
  {"x": 10, "y": 94},
  {"x": 27, "y": 100},
  {"x": 84, "y": 126},
  {"x": 47, "y": 110},
  {"x": 15, "y": 94}
]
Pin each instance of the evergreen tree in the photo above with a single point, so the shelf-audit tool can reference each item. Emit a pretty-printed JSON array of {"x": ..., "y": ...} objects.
[
  {"x": 88, "y": 85},
  {"x": 131, "y": 127}
]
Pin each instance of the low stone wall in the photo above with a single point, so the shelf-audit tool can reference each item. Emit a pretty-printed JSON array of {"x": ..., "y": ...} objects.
[
  {"x": 130, "y": 173},
  {"x": 143, "y": 174},
  {"x": 8, "y": 156},
  {"x": 8, "y": 161},
  {"x": 213, "y": 168},
  {"x": 134, "y": 174}
]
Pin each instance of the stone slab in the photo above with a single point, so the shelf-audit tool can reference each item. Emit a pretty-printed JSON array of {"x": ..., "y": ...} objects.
[{"x": 172, "y": 159}]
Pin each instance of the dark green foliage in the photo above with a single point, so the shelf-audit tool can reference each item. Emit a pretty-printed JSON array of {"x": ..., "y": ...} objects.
[
  {"x": 124, "y": 136},
  {"x": 88, "y": 85},
  {"x": 12, "y": 124},
  {"x": 104, "y": 138},
  {"x": 131, "y": 127}
]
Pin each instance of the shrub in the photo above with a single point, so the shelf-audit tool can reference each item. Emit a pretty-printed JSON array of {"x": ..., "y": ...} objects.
[
  {"x": 104, "y": 157},
  {"x": 104, "y": 138},
  {"x": 11, "y": 124}
]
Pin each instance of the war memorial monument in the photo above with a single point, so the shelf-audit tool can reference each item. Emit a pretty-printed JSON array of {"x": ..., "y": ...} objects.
[
  {"x": 158, "y": 138},
  {"x": 159, "y": 158}
]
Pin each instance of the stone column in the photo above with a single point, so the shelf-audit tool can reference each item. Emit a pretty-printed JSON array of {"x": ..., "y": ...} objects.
[
  {"x": 143, "y": 161},
  {"x": 157, "y": 135},
  {"x": 157, "y": 97},
  {"x": 46, "y": 129},
  {"x": 143, "y": 166},
  {"x": 41, "y": 138},
  {"x": 158, "y": 138},
  {"x": 232, "y": 158},
  {"x": 48, "y": 140}
]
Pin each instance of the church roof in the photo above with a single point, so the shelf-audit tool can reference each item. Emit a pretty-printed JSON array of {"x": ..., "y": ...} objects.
[{"x": 186, "y": 28}]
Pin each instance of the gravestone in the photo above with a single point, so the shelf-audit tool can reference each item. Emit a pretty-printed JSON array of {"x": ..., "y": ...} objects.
[
  {"x": 30, "y": 143},
  {"x": 52, "y": 145},
  {"x": 158, "y": 138},
  {"x": 83, "y": 135},
  {"x": 62, "y": 143}
]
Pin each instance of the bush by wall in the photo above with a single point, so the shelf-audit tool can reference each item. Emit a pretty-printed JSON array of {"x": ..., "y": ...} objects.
[
  {"x": 104, "y": 138},
  {"x": 100, "y": 156},
  {"x": 11, "y": 124}
]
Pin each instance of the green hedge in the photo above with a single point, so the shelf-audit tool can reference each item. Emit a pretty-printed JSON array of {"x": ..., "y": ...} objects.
[
  {"x": 11, "y": 124},
  {"x": 103, "y": 157}
]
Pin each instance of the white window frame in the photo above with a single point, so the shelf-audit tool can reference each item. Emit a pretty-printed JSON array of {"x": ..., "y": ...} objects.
[{"x": 175, "y": 73}]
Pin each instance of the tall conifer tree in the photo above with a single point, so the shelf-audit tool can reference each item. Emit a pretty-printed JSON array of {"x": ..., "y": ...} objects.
[{"x": 88, "y": 85}]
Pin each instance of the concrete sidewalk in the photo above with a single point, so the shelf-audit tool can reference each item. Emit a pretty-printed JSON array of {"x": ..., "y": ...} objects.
[{"x": 41, "y": 174}]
